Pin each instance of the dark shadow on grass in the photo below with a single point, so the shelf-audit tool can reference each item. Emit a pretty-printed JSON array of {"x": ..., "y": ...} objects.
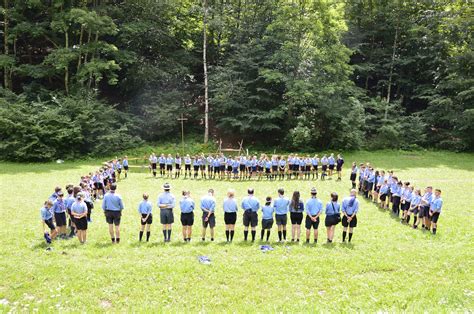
[
  {"x": 103, "y": 245},
  {"x": 346, "y": 245},
  {"x": 178, "y": 243},
  {"x": 329, "y": 246}
]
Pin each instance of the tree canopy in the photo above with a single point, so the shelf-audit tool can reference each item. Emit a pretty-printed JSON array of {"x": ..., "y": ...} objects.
[{"x": 294, "y": 74}]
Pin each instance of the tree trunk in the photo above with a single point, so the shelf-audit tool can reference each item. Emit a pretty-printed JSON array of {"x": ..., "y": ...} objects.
[
  {"x": 80, "y": 46},
  {"x": 390, "y": 76},
  {"x": 66, "y": 68},
  {"x": 206, "y": 99},
  {"x": 6, "y": 81}
]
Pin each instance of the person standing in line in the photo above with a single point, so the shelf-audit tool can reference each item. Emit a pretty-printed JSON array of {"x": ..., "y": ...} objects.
[
  {"x": 425, "y": 208},
  {"x": 267, "y": 218},
  {"x": 166, "y": 203},
  {"x": 153, "y": 160},
  {"x": 79, "y": 212},
  {"x": 177, "y": 166},
  {"x": 146, "y": 219},
  {"x": 435, "y": 209},
  {"x": 339, "y": 164},
  {"x": 59, "y": 210},
  {"x": 187, "y": 215},
  {"x": 125, "y": 166},
  {"x": 112, "y": 205},
  {"x": 230, "y": 214},
  {"x": 350, "y": 207},
  {"x": 162, "y": 162},
  {"x": 281, "y": 205},
  {"x": 296, "y": 216},
  {"x": 333, "y": 216},
  {"x": 314, "y": 207},
  {"x": 250, "y": 205},
  {"x": 208, "y": 207},
  {"x": 187, "y": 166}
]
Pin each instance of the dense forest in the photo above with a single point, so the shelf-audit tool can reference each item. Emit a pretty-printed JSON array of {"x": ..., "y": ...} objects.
[{"x": 88, "y": 77}]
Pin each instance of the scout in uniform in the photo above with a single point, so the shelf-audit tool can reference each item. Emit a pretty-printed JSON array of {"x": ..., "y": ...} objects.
[
  {"x": 250, "y": 205},
  {"x": 153, "y": 160},
  {"x": 339, "y": 164},
  {"x": 296, "y": 216},
  {"x": 187, "y": 215},
  {"x": 350, "y": 207},
  {"x": 187, "y": 166},
  {"x": 353, "y": 176},
  {"x": 267, "y": 218},
  {"x": 162, "y": 162},
  {"x": 79, "y": 213},
  {"x": 169, "y": 166},
  {"x": 47, "y": 221},
  {"x": 125, "y": 166},
  {"x": 314, "y": 209},
  {"x": 177, "y": 166},
  {"x": 113, "y": 206},
  {"x": 281, "y": 205},
  {"x": 315, "y": 163},
  {"x": 146, "y": 217},
  {"x": 332, "y": 163},
  {"x": 333, "y": 216},
  {"x": 435, "y": 209},
  {"x": 59, "y": 210},
  {"x": 166, "y": 203},
  {"x": 230, "y": 214},
  {"x": 208, "y": 207}
]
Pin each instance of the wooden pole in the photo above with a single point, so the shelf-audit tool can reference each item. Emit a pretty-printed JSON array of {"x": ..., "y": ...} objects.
[
  {"x": 182, "y": 119},
  {"x": 204, "y": 61}
]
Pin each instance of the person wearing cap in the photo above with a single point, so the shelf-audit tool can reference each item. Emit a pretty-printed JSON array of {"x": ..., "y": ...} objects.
[
  {"x": 112, "y": 205},
  {"x": 425, "y": 207},
  {"x": 350, "y": 207},
  {"x": 59, "y": 210},
  {"x": 166, "y": 203},
  {"x": 230, "y": 214},
  {"x": 146, "y": 219},
  {"x": 296, "y": 216},
  {"x": 79, "y": 214},
  {"x": 267, "y": 218},
  {"x": 333, "y": 216},
  {"x": 187, "y": 215},
  {"x": 314, "y": 208},
  {"x": 47, "y": 221},
  {"x": 281, "y": 205},
  {"x": 435, "y": 209},
  {"x": 208, "y": 207},
  {"x": 250, "y": 205}
]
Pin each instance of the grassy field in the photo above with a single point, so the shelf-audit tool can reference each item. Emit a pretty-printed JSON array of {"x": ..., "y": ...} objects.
[{"x": 388, "y": 267}]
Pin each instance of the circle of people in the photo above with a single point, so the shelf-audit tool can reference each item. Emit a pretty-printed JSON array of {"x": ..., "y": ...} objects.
[{"x": 75, "y": 209}]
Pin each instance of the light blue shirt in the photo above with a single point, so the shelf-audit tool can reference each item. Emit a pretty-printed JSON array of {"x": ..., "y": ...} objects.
[
  {"x": 281, "y": 204},
  {"x": 313, "y": 206},
  {"x": 267, "y": 212},
  {"x": 208, "y": 203},
  {"x": 436, "y": 205},
  {"x": 59, "y": 206},
  {"x": 230, "y": 205},
  {"x": 79, "y": 207},
  {"x": 350, "y": 205},
  {"x": 250, "y": 203},
  {"x": 46, "y": 213},
  {"x": 384, "y": 189},
  {"x": 166, "y": 198},
  {"x": 112, "y": 202},
  {"x": 186, "y": 205},
  {"x": 332, "y": 211},
  {"x": 144, "y": 207},
  {"x": 299, "y": 208}
]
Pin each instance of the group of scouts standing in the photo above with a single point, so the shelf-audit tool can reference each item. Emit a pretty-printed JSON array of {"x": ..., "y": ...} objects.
[
  {"x": 273, "y": 210},
  {"x": 219, "y": 166},
  {"x": 387, "y": 189}
]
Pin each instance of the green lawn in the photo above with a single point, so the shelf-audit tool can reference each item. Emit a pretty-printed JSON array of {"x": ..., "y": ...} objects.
[{"x": 389, "y": 267}]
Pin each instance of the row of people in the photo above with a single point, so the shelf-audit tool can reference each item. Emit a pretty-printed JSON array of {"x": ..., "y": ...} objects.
[
  {"x": 387, "y": 190},
  {"x": 273, "y": 167}
]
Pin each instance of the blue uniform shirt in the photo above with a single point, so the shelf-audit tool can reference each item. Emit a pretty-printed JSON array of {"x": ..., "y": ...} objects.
[
  {"x": 384, "y": 189},
  {"x": 208, "y": 203},
  {"x": 144, "y": 207},
  {"x": 415, "y": 201},
  {"x": 162, "y": 160},
  {"x": 331, "y": 160},
  {"x": 186, "y": 205},
  {"x": 330, "y": 210},
  {"x": 59, "y": 206},
  {"x": 436, "y": 205},
  {"x": 112, "y": 202},
  {"x": 166, "y": 198},
  {"x": 169, "y": 160},
  {"x": 267, "y": 212},
  {"x": 299, "y": 208},
  {"x": 426, "y": 199},
  {"x": 313, "y": 206},
  {"x": 46, "y": 213},
  {"x": 350, "y": 205},
  {"x": 250, "y": 203},
  {"x": 125, "y": 162},
  {"x": 230, "y": 205},
  {"x": 79, "y": 207},
  {"x": 281, "y": 205},
  {"x": 187, "y": 161}
]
